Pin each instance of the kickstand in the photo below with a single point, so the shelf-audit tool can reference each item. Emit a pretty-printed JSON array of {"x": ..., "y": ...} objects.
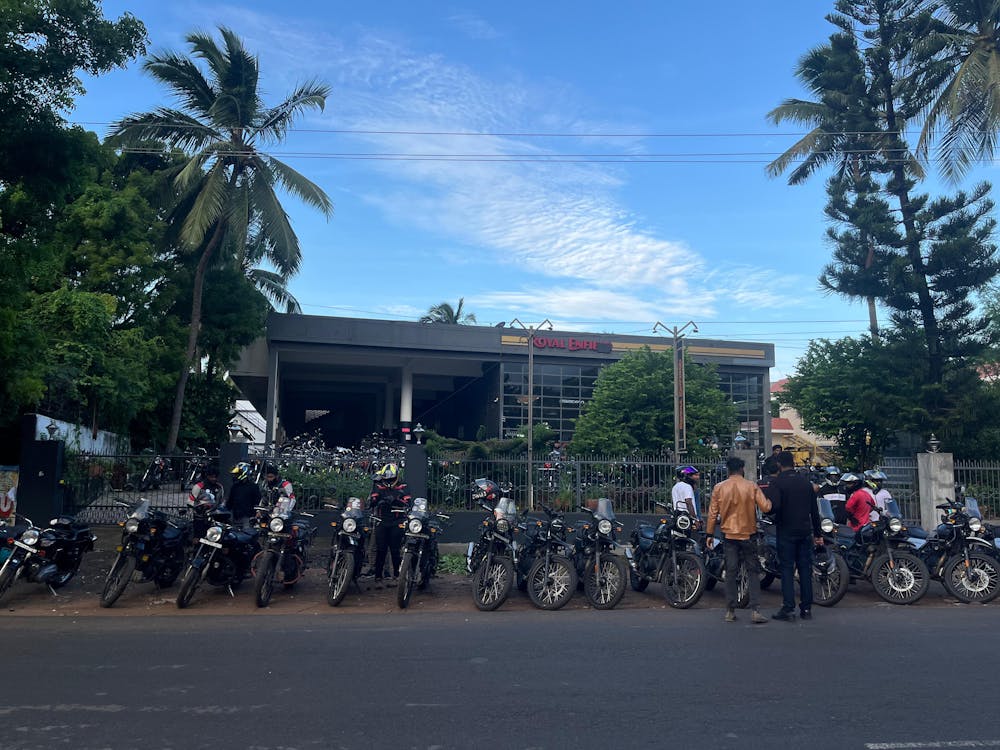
[
  {"x": 54, "y": 592},
  {"x": 232, "y": 593}
]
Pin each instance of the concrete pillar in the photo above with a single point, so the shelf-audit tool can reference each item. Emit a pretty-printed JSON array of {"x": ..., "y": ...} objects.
[
  {"x": 750, "y": 459},
  {"x": 936, "y": 483},
  {"x": 271, "y": 430},
  {"x": 415, "y": 472},
  {"x": 406, "y": 403}
]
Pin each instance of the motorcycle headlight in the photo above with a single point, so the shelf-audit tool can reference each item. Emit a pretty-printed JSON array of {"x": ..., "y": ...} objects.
[
  {"x": 503, "y": 525},
  {"x": 826, "y": 526},
  {"x": 415, "y": 525},
  {"x": 350, "y": 525},
  {"x": 975, "y": 524},
  {"x": 683, "y": 522},
  {"x": 604, "y": 526},
  {"x": 132, "y": 525},
  {"x": 214, "y": 534},
  {"x": 30, "y": 536},
  {"x": 895, "y": 525},
  {"x": 276, "y": 525}
]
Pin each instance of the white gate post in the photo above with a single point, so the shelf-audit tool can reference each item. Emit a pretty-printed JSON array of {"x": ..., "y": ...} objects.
[{"x": 935, "y": 483}]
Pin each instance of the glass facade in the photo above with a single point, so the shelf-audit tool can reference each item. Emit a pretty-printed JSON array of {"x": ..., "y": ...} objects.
[
  {"x": 559, "y": 390},
  {"x": 746, "y": 391}
]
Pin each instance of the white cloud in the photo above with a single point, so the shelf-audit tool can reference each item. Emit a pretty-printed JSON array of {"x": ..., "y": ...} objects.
[{"x": 474, "y": 26}]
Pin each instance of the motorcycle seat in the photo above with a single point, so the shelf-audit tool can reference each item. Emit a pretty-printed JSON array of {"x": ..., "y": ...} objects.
[
  {"x": 646, "y": 532},
  {"x": 171, "y": 533},
  {"x": 245, "y": 537},
  {"x": 68, "y": 522}
]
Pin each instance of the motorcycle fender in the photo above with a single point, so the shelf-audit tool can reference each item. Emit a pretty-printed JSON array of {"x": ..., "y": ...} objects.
[
  {"x": 14, "y": 560},
  {"x": 201, "y": 562}
]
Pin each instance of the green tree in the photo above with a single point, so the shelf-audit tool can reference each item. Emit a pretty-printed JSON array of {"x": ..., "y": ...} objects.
[
  {"x": 445, "y": 313},
  {"x": 633, "y": 409},
  {"x": 227, "y": 186}
]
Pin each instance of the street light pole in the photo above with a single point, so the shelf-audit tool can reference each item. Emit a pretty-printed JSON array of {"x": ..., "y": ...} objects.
[
  {"x": 531, "y": 402},
  {"x": 680, "y": 406}
]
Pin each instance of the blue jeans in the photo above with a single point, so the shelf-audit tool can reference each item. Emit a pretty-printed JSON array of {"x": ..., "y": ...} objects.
[{"x": 795, "y": 552}]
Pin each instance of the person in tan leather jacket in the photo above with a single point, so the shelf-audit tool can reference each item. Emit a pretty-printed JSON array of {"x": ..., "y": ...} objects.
[{"x": 734, "y": 505}]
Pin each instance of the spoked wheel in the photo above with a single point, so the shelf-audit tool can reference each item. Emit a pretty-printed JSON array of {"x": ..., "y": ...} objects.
[
  {"x": 551, "y": 583},
  {"x": 492, "y": 582},
  {"x": 977, "y": 581},
  {"x": 742, "y": 585},
  {"x": 684, "y": 585},
  {"x": 340, "y": 578},
  {"x": 7, "y": 579},
  {"x": 902, "y": 581},
  {"x": 188, "y": 586},
  {"x": 830, "y": 579},
  {"x": 118, "y": 579},
  {"x": 407, "y": 574},
  {"x": 604, "y": 583},
  {"x": 263, "y": 580}
]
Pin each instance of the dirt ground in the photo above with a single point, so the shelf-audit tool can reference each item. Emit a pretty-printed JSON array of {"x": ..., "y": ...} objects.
[{"x": 446, "y": 593}]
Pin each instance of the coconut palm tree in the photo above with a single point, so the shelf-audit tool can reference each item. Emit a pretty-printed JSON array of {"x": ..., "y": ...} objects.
[
  {"x": 227, "y": 184},
  {"x": 445, "y": 313}
]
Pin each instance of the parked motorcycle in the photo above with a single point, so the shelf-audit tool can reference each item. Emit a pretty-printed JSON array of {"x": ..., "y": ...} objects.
[
  {"x": 222, "y": 557},
  {"x": 347, "y": 547},
  {"x": 830, "y": 572},
  {"x": 490, "y": 560},
  {"x": 284, "y": 555},
  {"x": 715, "y": 567},
  {"x": 668, "y": 554},
  {"x": 604, "y": 573},
  {"x": 153, "y": 545},
  {"x": 545, "y": 562},
  {"x": 157, "y": 473},
  {"x": 420, "y": 550},
  {"x": 51, "y": 556}
]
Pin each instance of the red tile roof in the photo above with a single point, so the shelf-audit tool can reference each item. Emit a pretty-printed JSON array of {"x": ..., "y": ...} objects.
[
  {"x": 781, "y": 424},
  {"x": 778, "y": 385}
]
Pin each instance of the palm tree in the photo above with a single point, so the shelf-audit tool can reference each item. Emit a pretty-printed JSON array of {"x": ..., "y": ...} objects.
[
  {"x": 226, "y": 186},
  {"x": 445, "y": 313}
]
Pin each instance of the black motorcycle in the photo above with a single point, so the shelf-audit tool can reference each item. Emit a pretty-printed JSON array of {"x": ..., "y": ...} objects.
[
  {"x": 715, "y": 566},
  {"x": 284, "y": 555},
  {"x": 545, "y": 561},
  {"x": 882, "y": 552},
  {"x": 420, "y": 550},
  {"x": 222, "y": 557},
  {"x": 668, "y": 554},
  {"x": 604, "y": 573},
  {"x": 153, "y": 545},
  {"x": 957, "y": 555},
  {"x": 490, "y": 559},
  {"x": 157, "y": 473},
  {"x": 51, "y": 556},
  {"x": 347, "y": 548}
]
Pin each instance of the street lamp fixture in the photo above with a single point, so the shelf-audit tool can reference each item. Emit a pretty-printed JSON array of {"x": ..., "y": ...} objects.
[
  {"x": 419, "y": 431},
  {"x": 532, "y": 331},
  {"x": 740, "y": 441},
  {"x": 52, "y": 428},
  {"x": 680, "y": 402},
  {"x": 933, "y": 444}
]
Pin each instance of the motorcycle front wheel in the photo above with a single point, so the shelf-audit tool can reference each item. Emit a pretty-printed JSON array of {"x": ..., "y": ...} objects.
[
  {"x": 604, "y": 582},
  {"x": 7, "y": 579},
  {"x": 340, "y": 578},
  {"x": 903, "y": 581},
  {"x": 684, "y": 585},
  {"x": 551, "y": 583},
  {"x": 118, "y": 579},
  {"x": 492, "y": 582},
  {"x": 407, "y": 574},
  {"x": 263, "y": 580},
  {"x": 188, "y": 586},
  {"x": 979, "y": 582},
  {"x": 830, "y": 582}
]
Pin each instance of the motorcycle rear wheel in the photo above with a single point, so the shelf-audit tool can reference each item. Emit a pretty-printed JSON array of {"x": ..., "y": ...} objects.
[
  {"x": 340, "y": 578},
  {"x": 188, "y": 586},
  {"x": 118, "y": 579},
  {"x": 637, "y": 583},
  {"x": 551, "y": 586},
  {"x": 978, "y": 583},
  {"x": 7, "y": 580},
  {"x": 604, "y": 583},
  {"x": 407, "y": 574},
  {"x": 683, "y": 586},
  {"x": 903, "y": 583},
  {"x": 492, "y": 582},
  {"x": 263, "y": 580},
  {"x": 830, "y": 586}
]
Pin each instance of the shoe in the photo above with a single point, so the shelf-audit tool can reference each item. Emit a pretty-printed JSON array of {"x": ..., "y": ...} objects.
[
  {"x": 784, "y": 614},
  {"x": 757, "y": 618},
  {"x": 730, "y": 615},
  {"x": 805, "y": 614}
]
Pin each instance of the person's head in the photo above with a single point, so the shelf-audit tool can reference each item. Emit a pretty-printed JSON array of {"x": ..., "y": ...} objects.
[
  {"x": 734, "y": 465},
  {"x": 388, "y": 475},
  {"x": 270, "y": 473},
  {"x": 688, "y": 474},
  {"x": 210, "y": 473},
  {"x": 770, "y": 466},
  {"x": 875, "y": 478},
  {"x": 485, "y": 491},
  {"x": 832, "y": 474},
  {"x": 775, "y": 450},
  {"x": 851, "y": 481},
  {"x": 241, "y": 472},
  {"x": 786, "y": 460}
]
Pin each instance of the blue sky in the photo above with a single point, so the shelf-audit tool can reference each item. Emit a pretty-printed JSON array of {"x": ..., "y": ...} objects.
[{"x": 691, "y": 228}]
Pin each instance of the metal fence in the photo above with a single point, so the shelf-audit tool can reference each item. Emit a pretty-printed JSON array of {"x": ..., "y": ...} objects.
[
  {"x": 902, "y": 484},
  {"x": 981, "y": 480}
]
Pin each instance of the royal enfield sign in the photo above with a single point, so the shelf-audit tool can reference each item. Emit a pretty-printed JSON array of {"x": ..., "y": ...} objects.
[{"x": 572, "y": 344}]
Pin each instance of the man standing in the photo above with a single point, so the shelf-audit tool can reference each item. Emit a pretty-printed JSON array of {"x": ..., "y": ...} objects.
[
  {"x": 796, "y": 517},
  {"x": 734, "y": 504},
  {"x": 682, "y": 493}
]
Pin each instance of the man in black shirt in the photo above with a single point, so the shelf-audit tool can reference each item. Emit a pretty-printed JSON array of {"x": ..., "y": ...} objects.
[{"x": 796, "y": 518}]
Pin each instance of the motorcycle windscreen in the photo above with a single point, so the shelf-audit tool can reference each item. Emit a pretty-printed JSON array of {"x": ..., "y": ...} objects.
[
  {"x": 972, "y": 508},
  {"x": 506, "y": 508},
  {"x": 605, "y": 509},
  {"x": 141, "y": 510}
]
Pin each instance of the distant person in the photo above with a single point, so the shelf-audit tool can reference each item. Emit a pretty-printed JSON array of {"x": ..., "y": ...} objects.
[
  {"x": 860, "y": 499},
  {"x": 683, "y": 492},
  {"x": 207, "y": 492},
  {"x": 279, "y": 492},
  {"x": 796, "y": 517},
  {"x": 769, "y": 470},
  {"x": 776, "y": 451},
  {"x": 876, "y": 480}
]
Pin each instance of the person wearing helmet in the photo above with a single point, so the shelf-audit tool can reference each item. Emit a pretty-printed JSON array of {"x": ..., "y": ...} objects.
[
  {"x": 796, "y": 520},
  {"x": 875, "y": 479},
  {"x": 683, "y": 494},
  {"x": 207, "y": 492},
  {"x": 279, "y": 491},
  {"x": 244, "y": 495},
  {"x": 486, "y": 491},
  {"x": 389, "y": 502},
  {"x": 831, "y": 483},
  {"x": 860, "y": 500}
]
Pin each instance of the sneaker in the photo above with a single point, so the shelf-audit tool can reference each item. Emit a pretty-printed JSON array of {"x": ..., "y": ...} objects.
[
  {"x": 730, "y": 615},
  {"x": 757, "y": 618},
  {"x": 784, "y": 614},
  {"x": 805, "y": 614}
]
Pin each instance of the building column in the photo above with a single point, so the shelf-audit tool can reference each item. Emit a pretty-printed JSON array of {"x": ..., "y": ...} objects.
[
  {"x": 406, "y": 402},
  {"x": 271, "y": 429},
  {"x": 936, "y": 483}
]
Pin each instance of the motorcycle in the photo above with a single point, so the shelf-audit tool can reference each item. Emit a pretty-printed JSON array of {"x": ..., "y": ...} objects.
[
  {"x": 830, "y": 572},
  {"x": 715, "y": 566},
  {"x": 157, "y": 473},
  {"x": 223, "y": 556},
  {"x": 51, "y": 556},
  {"x": 152, "y": 545},
  {"x": 604, "y": 573},
  {"x": 284, "y": 555},
  {"x": 958, "y": 556},
  {"x": 545, "y": 563},
  {"x": 882, "y": 552},
  {"x": 420, "y": 550},
  {"x": 668, "y": 554},
  {"x": 490, "y": 560},
  {"x": 347, "y": 548}
]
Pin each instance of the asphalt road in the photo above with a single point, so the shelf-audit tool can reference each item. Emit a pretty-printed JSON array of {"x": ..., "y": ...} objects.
[{"x": 877, "y": 676}]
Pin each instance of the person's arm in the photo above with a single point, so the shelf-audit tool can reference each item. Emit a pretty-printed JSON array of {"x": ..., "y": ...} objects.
[
  {"x": 814, "y": 515},
  {"x": 690, "y": 502},
  {"x": 761, "y": 499},
  {"x": 713, "y": 514}
]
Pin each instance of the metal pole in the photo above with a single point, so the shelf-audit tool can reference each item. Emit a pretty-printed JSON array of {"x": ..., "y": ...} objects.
[
  {"x": 679, "y": 409},
  {"x": 531, "y": 417}
]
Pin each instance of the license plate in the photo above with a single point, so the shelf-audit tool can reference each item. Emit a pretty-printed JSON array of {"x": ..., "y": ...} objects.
[
  {"x": 22, "y": 545},
  {"x": 217, "y": 545}
]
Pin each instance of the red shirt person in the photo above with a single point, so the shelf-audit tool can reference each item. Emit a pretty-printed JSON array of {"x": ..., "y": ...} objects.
[{"x": 859, "y": 501}]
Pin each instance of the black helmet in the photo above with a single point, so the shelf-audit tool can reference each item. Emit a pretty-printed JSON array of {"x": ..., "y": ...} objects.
[
  {"x": 270, "y": 469},
  {"x": 210, "y": 470},
  {"x": 485, "y": 490}
]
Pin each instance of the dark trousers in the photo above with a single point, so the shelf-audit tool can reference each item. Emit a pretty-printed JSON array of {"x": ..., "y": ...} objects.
[
  {"x": 388, "y": 538},
  {"x": 795, "y": 552},
  {"x": 745, "y": 550}
]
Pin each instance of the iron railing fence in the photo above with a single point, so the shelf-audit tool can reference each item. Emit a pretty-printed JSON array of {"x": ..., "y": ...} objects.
[
  {"x": 901, "y": 481},
  {"x": 981, "y": 480}
]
